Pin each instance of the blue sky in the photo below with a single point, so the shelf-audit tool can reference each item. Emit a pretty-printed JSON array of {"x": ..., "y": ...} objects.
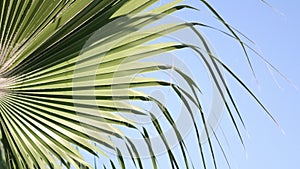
[{"x": 276, "y": 33}]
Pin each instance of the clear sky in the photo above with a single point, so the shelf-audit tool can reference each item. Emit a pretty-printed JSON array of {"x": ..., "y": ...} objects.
[{"x": 276, "y": 32}]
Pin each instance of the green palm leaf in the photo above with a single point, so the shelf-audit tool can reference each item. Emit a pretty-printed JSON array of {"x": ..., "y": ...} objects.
[{"x": 72, "y": 73}]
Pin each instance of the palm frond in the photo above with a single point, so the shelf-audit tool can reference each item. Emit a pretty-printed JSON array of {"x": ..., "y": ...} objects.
[{"x": 72, "y": 74}]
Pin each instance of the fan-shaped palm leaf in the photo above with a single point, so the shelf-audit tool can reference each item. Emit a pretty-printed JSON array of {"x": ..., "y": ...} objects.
[{"x": 71, "y": 75}]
